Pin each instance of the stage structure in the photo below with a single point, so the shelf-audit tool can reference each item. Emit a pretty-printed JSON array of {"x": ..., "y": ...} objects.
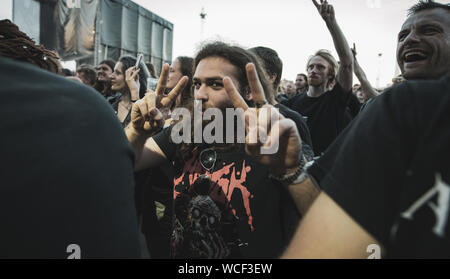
[{"x": 89, "y": 31}]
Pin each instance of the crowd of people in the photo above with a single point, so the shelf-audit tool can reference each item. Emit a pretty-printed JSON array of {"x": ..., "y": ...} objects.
[{"x": 92, "y": 156}]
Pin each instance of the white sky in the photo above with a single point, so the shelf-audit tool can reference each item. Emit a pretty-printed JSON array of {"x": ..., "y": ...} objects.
[{"x": 293, "y": 28}]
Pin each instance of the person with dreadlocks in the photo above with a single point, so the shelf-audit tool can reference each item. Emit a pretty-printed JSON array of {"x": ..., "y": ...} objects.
[{"x": 17, "y": 45}]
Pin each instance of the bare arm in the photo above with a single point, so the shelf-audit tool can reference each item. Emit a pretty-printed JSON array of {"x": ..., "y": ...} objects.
[
  {"x": 147, "y": 118},
  {"x": 147, "y": 152},
  {"x": 327, "y": 231},
  {"x": 359, "y": 72},
  {"x": 303, "y": 194},
  {"x": 345, "y": 72}
]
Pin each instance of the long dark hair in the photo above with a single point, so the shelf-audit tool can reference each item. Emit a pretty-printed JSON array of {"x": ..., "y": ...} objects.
[
  {"x": 239, "y": 57},
  {"x": 186, "y": 67},
  {"x": 130, "y": 61}
]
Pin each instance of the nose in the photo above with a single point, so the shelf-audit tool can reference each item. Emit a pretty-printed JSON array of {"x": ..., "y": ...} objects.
[
  {"x": 313, "y": 70},
  {"x": 411, "y": 38},
  {"x": 201, "y": 93}
]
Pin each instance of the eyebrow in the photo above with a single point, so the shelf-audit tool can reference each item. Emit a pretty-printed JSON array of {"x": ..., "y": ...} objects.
[
  {"x": 431, "y": 22},
  {"x": 318, "y": 64},
  {"x": 208, "y": 78}
]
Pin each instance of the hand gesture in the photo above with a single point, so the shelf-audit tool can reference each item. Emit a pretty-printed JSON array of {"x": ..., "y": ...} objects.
[
  {"x": 132, "y": 80},
  {"x": 281, "y": 133},
  {"x": 326, "y": 10},
  {"x": 148, "y": 114},
  {"x": 354, "y": 51}
]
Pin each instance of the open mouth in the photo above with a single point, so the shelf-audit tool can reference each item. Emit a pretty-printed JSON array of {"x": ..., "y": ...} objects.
[{"x": 414, "y": 56}]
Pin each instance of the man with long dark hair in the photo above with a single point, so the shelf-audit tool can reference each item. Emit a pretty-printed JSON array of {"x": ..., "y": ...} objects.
[{"x": 228, "y": 201}]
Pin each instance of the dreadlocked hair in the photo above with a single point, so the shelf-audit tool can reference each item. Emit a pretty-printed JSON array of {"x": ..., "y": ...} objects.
[{"x": 16, "y": 45}]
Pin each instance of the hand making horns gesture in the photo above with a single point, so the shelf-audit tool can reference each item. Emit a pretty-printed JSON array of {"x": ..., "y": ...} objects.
[
  {"x": 326, "y": 10},
  {"x": 281, "y": 133},
  {"x": 148, "y": 114}
]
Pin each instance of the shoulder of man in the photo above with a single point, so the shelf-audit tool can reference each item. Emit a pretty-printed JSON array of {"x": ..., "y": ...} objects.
[{"x": 77, "y": 160}]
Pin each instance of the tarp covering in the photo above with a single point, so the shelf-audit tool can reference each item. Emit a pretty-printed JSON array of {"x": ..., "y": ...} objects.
[
  {"x": 111, "y": 23},
  {"x": 157, "y": 45},
  {"x": 157, "y": 40},
  {"x": 108, "y": 28},
  {"x": 144, "y": 39},
  {"x": 167, "y": 45},
  {"x": 76, "y": 28},
  {"x": 26, "y": 15},
  {"x": 129, "y": 26}
]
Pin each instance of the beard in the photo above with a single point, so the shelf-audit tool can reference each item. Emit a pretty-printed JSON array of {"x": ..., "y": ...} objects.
[{"x": 315, "y": 82}]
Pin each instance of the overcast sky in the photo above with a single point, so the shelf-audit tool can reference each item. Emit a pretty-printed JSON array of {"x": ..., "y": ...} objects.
[{"x": 293, "y": 28}]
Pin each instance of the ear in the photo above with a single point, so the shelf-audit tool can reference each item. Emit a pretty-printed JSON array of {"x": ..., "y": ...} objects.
[{"x": 247, "y": 94}]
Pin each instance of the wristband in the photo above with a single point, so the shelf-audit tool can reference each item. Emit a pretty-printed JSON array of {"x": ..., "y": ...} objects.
[{"x": 295, "y": 177}]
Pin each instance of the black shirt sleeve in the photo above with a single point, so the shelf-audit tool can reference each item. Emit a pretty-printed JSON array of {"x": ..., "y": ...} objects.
[
  {"x": 365, "y": 167},
  {"x": 299, "y": 121},
  {"x": 347, "y": 98},
  {"x": 162, "y": 139}
]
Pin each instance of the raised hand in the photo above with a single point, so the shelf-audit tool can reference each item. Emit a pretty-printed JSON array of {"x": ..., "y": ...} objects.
[
  {"x": 132, "y": 80},
  {"x": 354, "y": 51},
  {"x": 281, "y": 132},
  {"x": 326, "y": 10},
  {"x": 149, "y": 113}
]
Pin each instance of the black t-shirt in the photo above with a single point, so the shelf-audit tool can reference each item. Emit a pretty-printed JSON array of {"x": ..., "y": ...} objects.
[
  {"x": 67, "y": 170},
  {"x": 240, "y": 214},
  {"x": 327, "y": 114},
  {"x": 389, "y": 170},
  {"x": 302, "y": 127}
]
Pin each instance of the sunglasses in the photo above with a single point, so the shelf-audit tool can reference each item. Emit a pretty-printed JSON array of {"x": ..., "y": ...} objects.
[{"x": 208, "y": 159}]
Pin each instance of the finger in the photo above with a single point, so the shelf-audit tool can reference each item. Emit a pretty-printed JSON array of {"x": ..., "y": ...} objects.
[
  {"x": 135, "y": 72},
  {"x": 128, "y": 71},
  {"x": 235, "y": 97},
  {"x": 251, "y": 122},
  {"x": 162, "y": 82},
  {"x": 137, "y": 117},
  {"x": 156, "y": 120},
  {"x": 264, "y": 118},
  {"x": 267, "y": 117},
  {"x": 135, "y": 75},
  {"x": 142, "y": 108},
  {"x": 150, "y": 102},
  {"x": 256, "y": 88},
  {"x": 282, "y": 131},
  {"x": 251, "y": 140},
  {"x": 322, "y": 9},
  {"x": 173, "y": 94},
  {"x": 316, "y": 4}
]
